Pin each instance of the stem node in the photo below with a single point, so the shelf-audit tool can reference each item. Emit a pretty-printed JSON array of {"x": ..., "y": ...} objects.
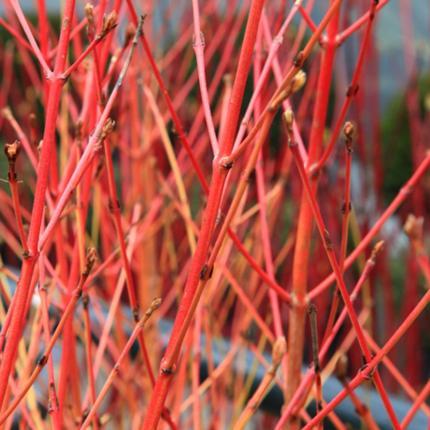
[{"x": 226, "y": 162}]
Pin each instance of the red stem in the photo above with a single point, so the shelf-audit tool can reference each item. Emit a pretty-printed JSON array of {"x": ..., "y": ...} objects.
[
  {"x": 23, "y": 288},
  {"x": 208, "y": 221}
]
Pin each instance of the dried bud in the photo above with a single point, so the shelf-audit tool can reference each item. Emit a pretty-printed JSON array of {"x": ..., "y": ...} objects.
[
  {"x": 91, "y": 259},
  {"x": 109, "y": 22},
  {"x": 289, "y": 118},
  {"x": 108, "y": 128},
  {"x": 12, "y": 150},
  {"x": 341, "y": 368},
  {"x": 89, "y": 13},
  {"x": 279, "y": 350},
  {"x": 298, "y": 81},
  {"x": 156, "y": 303},
  {"x": 414, "y": 227},
  {"x": 377, "y": 249},
  {"x": 349, "y": 130},
  {"x": 226, "y": 162}
]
